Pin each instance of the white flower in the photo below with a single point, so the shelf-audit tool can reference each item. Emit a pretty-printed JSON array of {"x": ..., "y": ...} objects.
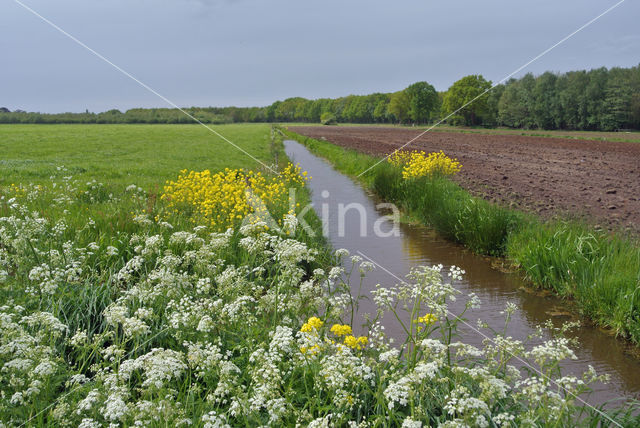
[
  {"x": 46, "y": 321},
  {"x": 410, "y": 423},
  {"x": 552, "y": 351},
  {"x": 142, "y": 220},
  {"x": 290, "y": 223},
  {"x": 213, "y": 420},
  {"x": 206, "y": 324},
  {"x": 89, "y": 423},
  {"x": 133, "y": 326},
  {"x": 474, "y": 301},
  {"x": 322, "y": 422},
  {"x": 77, "y": 379},
  {"x": 389, "y": 355},
  {"x": 342, "y": 252},
  {"x": 366, "y": 267},
  {"x": 16, "y": 399},
  {"x": 115, "y": 407},
  {"x": 45, "y": 368},
  {"x": 398, "y": 392},
  {"x": 335, "y": 272},
  {"x": 86, "y": 404},
  {"x": 503, "y": 419},
  {"x": 161, "y": 366}
]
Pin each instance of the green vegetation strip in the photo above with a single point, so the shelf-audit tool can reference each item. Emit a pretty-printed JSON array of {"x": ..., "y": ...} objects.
[{"x": 597, "y": 269}]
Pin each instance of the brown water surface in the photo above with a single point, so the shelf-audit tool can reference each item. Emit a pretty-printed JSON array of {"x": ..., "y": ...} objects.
[{"x": 417, "y": 245}]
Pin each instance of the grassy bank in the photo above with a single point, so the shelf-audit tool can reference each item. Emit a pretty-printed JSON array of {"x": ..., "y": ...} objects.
[{"x": 599, "y": 270}]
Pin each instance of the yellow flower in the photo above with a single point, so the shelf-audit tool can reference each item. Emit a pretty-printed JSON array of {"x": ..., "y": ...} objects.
[
  {"x": 356, "y": 342},
  {"x": 220, "y": 199},
  {"x": 419, "y": 164},
  {"x": 341, "y": 330},
  {"x": 315, "y": 349},
  {"x": 313, "y": 323},
  {"x": 427, "y": 319}
]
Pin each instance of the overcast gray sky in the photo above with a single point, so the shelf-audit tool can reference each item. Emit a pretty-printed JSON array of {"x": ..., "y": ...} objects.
[{"x": 251, "y": 52}]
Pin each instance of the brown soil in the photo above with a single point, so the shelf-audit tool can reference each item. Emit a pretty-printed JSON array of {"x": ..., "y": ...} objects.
[{"x": 594, "y": 180}]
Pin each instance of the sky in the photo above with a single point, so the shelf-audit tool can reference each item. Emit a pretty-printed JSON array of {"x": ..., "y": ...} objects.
[{"x": 253, "y": 52}]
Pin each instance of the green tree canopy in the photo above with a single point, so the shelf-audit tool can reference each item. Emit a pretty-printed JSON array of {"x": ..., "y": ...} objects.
[
  {"x": 423, "y": 101},
  {"x": 465, "y": 91},
  {"x": 399, "y": 106}
]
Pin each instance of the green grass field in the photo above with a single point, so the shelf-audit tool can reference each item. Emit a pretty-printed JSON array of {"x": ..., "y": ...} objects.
[{"x": 119, "y": 155}]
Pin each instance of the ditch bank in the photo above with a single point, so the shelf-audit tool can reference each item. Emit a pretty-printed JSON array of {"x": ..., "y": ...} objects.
[
  {"x": 597, "y": 271},
  {"x": 526, "y": 234}
]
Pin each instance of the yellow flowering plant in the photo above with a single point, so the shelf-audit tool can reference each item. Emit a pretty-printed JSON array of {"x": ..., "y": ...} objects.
[
  {"x": 420, "y": 164},
  {"x": 426, "y": 319},
  {"x": 313, "y": 323},
  {"x": 341, "y": 329},
  {"x": 224, "y": 198},
  {"x": 356, "y": 342}
]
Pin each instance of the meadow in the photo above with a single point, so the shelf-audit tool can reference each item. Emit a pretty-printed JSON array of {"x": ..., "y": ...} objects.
[
  {"x": 126, "y": 299},
  {"x": 119, "y": 155}
]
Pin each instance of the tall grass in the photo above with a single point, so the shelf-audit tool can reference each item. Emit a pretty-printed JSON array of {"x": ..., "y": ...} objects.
[
  {"x": 598, "y": 269},
  {"x": 453, "y": 212}
]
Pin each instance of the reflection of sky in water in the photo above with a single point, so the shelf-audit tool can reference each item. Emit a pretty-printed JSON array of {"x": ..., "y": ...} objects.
[{"x": 416, "y": 245}]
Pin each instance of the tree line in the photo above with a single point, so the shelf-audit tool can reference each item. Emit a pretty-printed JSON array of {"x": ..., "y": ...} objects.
[{"x": 599, "y": 99}]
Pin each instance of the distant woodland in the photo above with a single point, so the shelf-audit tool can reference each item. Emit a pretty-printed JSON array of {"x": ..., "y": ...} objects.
[{"x": 599, "y": 100}]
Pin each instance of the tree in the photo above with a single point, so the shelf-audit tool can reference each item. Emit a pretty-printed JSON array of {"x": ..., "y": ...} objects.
[
  {"x": 572, "y": 99},
  {"x": 271, "y": 111},
  {"x": 511, "y": 110},
  {"x": 469, "y": 90},
  {"x": 328, "y": 118},
  {"x": 634, "y": 106},
  {"x": 526, "y": 87},
  {"x": 595, "y": 93},
  {"x": 545, "y": 102},
  {"x": 399, "y": 106},
  {"x": 493, "y": 102},
  {"x": 617, "y": 101},
  {"x": 423, "y": 101},
  {"x": 381, "y": 110},
  {"x": 356, "y": 110},
  {"x": 291, "y": 109}
]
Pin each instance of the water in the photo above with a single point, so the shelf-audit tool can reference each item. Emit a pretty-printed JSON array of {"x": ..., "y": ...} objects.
[{"x": 417, "y": 245}]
